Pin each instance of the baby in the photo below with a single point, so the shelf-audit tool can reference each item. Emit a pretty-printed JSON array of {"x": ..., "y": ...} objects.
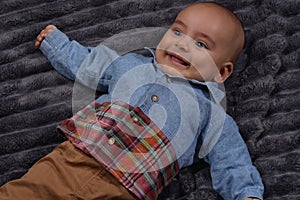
[{"x": 156, "y": 115}]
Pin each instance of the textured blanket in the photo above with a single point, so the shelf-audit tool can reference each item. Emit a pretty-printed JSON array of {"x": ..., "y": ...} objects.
[{"x": 263, "y": 95}]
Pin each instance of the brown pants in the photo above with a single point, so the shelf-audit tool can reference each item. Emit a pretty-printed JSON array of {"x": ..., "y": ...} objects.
[{"x": 66, "y": 173}]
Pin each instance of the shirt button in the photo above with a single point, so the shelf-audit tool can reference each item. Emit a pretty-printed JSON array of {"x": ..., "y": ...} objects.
[
  {"x": 111, "y": 141},
  {"x": 135, "y": 119},
  {"x": 169, "y": 80},
  {"x": 154, "y": 98}
]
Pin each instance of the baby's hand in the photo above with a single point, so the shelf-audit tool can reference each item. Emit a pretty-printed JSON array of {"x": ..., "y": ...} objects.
[{"x": 43, "y": 34}]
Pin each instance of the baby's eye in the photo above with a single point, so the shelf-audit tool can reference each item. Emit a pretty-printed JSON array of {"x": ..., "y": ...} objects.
[
  {"x": 176, "y": 32},
  {"x": 201, "y": 45}
]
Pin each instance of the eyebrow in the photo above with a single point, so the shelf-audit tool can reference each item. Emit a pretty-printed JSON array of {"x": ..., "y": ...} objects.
[{"x": 198, "y": 33}]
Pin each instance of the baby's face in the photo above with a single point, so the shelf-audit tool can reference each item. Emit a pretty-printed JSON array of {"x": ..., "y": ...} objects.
[{"x": 198, "y": 45}]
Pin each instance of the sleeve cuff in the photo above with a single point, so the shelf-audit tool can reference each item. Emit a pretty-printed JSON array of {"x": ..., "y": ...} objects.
[{"x": 54, "y": 41}]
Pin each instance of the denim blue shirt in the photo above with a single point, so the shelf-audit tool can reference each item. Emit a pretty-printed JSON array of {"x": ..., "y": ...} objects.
[{"x": 187, "y": 111}]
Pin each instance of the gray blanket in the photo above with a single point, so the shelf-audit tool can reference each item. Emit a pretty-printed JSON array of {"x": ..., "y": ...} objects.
[{"x": 262, "y": 96}]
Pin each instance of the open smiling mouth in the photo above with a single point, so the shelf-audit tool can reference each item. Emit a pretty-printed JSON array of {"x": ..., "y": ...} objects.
[{"x": 178, "y": 60}]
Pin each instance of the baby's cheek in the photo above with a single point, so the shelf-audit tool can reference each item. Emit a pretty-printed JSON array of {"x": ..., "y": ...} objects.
[
  {"x": 165, "y": 42},
  {"x": 204, "y": 61},
  {"x": 205, "y": 72}
]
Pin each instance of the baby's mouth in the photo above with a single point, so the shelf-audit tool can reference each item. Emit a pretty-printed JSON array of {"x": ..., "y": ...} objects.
[{"x": 178, "y": 60}]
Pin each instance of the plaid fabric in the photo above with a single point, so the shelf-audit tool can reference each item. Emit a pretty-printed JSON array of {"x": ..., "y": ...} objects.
[{"x": 127, "y": 143}]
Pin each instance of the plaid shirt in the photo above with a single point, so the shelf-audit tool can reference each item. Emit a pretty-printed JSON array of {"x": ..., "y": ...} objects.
[{"x": 127, "y": 143}]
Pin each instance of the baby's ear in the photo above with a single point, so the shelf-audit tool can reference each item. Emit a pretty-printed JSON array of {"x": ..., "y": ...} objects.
[{"x": 224, "y": 72}]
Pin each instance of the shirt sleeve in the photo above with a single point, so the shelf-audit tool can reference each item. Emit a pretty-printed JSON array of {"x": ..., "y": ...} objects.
[
  {"x": 88, "y": 65},
  {"x": 233, "y": 174},
  {"x": 65, "y": 56}
]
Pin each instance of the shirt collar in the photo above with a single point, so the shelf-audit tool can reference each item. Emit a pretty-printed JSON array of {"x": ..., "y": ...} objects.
[{"x": 215, "y": 91}]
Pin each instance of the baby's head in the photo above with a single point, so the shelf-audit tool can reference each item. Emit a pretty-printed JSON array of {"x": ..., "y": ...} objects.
[{"x": 202, "y": 43}]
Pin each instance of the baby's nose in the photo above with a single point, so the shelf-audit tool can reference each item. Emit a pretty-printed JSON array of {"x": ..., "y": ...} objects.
[{"x": 183, "y": 43}]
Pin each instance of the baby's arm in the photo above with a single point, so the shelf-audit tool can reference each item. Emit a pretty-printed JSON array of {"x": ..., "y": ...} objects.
[
  {"x": 65, "y": 56},
  {"x": 75, "y": 61},
  {"x": 233, "y": 175}
]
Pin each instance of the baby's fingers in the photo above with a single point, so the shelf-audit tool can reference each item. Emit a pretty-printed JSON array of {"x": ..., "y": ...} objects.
[
  {"x": 38, "y": 41},
  {"x": 43, "y": 34},
  {"x": 48, "y": 30}
]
